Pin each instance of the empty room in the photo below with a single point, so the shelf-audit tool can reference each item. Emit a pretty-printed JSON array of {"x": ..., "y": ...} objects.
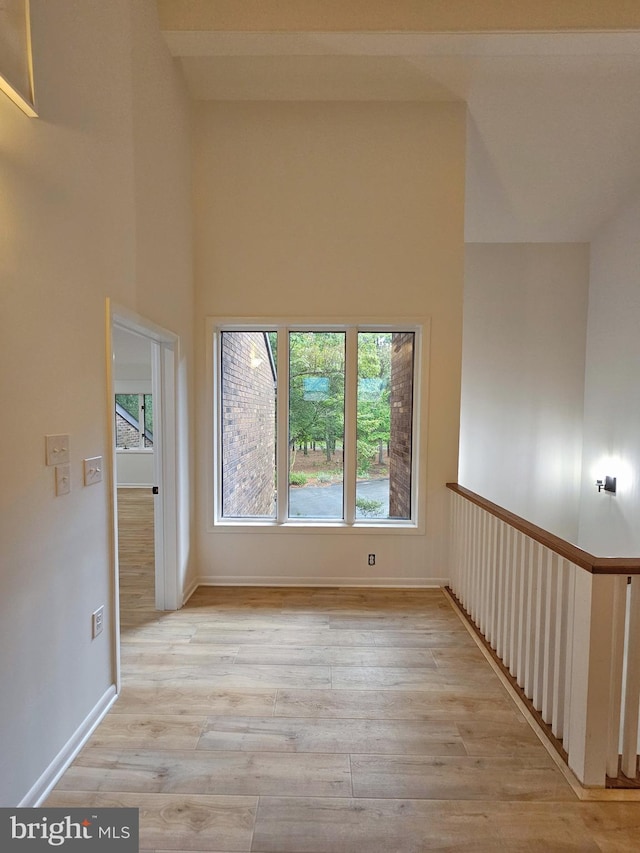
[{"x": 321, "y": 474}]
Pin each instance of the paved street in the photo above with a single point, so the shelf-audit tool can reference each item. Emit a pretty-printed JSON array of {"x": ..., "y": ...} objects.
[{"x": 326, "y": 501}]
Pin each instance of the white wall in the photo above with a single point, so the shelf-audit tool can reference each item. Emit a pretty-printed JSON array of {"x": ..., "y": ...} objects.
[
  {"x": 609, "y": 525},
  {"x": 134, "y": 469},
  {"x": 335, "y": 210},
  {"x": 525, "y": 309},
  {"x": 164, "y": 234},
  {"x": 70, "y": 236}
]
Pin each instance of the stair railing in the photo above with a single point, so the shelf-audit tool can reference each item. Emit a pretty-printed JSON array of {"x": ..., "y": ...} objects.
[{"x": 565, "y": 626}]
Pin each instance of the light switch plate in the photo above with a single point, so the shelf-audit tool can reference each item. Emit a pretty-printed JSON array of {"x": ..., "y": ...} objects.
[
  {"x": 93, "y": 470},
  {"x": 63, "y": 480},
  {"x": 97, "y": 622},
  {"x": 57, "y": 449}
]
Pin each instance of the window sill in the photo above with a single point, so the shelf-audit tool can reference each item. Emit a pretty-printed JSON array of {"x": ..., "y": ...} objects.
[{"x": 321, "y": 527}]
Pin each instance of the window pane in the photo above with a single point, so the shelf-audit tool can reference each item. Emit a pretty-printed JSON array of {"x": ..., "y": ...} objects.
[
  {"x": 248, "y": 425},
  {"x": 130, "y": 403},
  {"x": 316, "y": 424},
  {"x": 384, "y": 427},
  {"x": 127, "y": 421},
  {"x": 148, "y": 420}
]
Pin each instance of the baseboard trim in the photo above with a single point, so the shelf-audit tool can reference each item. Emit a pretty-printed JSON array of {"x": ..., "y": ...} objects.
[
  {"x": 43, "y": 787},
  {"x": 323, "y": 581},
  {"x": 135, "y": 485}
]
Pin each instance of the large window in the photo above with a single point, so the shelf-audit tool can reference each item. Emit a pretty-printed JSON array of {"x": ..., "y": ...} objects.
[{"x": 315, "y": 425}]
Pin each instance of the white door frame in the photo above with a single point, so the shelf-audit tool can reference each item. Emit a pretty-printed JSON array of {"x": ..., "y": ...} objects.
[
  {"x": 164, "y": 473},
  {"x": 164, "y": 361}
]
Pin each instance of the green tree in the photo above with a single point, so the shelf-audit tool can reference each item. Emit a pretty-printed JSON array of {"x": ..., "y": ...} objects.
[
  {"x": 130, "y": 403},
  {"x": 316, "y": 392},
  {"x": 373, "y": 426},
  {"x": 316, "y": 388}
]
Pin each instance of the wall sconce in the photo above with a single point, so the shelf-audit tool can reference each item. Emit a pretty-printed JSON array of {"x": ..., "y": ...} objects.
[{"x": 608, "y": 484}]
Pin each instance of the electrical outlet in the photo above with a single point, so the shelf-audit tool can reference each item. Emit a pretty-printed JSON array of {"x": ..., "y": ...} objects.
[
  {"x": 57, "y": 449},
  {"x": 372, "y": 559},
  {"x": 63, "y": 480},
  {"x": 97, "y": 622},
  {"x": 92, "y": 470}
]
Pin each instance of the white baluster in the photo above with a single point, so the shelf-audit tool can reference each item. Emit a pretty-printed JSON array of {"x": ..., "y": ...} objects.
[
  {"x": 540, "y": 628},
  {"x": 460, "y": 539},
  {"x": 550, "y": 636},
  {"x": 464, "y": 557},
  {"x": 615, "y": 682},
  {"x": 491, "y": 558},
  {"x": 477, "y": 565},
  {"x": 480, "y": 568},
  {"x": 501, "y": 530},
  {"x": 632, "y": 685},
  {"x": 568, "y": 684},
  {"x": 471, "y": 518},
  {"x": 523, "y": 608},
  {"x": 453, "y": 541},
  {"x": 560, "y": 673},
  {"x": 473, "y": 577},
  {"x": 512, "y": 587},
  {"x": 530, "y": 630},
  {"x": 500, "y": 569},
  {"x": 484, "y": 573}
]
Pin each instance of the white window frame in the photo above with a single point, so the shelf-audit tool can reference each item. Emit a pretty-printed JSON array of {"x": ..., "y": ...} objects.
[{"x": 282, "y": 522}]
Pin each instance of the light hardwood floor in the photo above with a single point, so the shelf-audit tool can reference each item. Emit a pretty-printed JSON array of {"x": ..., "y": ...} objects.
[
  {"x": 136, "y": 557},
  {"x": 324, "y": 721}
]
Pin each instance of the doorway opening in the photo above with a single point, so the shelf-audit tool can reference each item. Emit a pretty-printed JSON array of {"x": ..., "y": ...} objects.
[
  {"x": 135, "y": 475},
  {"x": 142, "y": 392}
]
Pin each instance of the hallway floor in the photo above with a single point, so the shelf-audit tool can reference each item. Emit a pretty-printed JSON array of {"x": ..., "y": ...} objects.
[
  {"x": 321, "y": 721},
  {"x": 327, "y": 721}
]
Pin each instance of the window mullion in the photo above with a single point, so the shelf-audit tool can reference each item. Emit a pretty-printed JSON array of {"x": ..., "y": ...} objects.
[
  {"x": 140, "y": 421},
  {"x": 218, "y": 401},
  {"x": 282, "y": 427},
  {"x": 350, "y": 424}
]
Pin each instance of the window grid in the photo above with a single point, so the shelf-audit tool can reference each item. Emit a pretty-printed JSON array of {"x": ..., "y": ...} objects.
[{"x": 281, "y": 514}]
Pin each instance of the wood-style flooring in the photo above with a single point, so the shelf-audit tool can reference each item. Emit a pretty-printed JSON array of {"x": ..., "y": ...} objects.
[
  {"x": 323, "y": 721},
  {"x": 136, "y": 557}
]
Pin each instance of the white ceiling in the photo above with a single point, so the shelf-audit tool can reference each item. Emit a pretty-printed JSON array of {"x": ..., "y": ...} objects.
[{"x": 553, "y": 145}]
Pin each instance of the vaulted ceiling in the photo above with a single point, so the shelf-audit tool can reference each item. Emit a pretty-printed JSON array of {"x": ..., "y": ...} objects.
[{"x": 553, "y": 141}]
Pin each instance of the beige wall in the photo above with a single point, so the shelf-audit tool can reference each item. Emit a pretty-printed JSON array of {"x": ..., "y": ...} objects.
[
  {"x": 164, "y": 234},
  {"x": 608, "y": 523},
  {"x": 525, "y": 314},
  {"x": 69, "y": 237},
  {"x": 338, "y": 210}
]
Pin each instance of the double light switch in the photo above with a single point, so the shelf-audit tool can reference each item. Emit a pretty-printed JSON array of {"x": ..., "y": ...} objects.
[{"x": 57, "y": 455}]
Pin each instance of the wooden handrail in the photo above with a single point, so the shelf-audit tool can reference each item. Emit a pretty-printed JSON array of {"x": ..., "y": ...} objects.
[{"x": 586, "y": 561}]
